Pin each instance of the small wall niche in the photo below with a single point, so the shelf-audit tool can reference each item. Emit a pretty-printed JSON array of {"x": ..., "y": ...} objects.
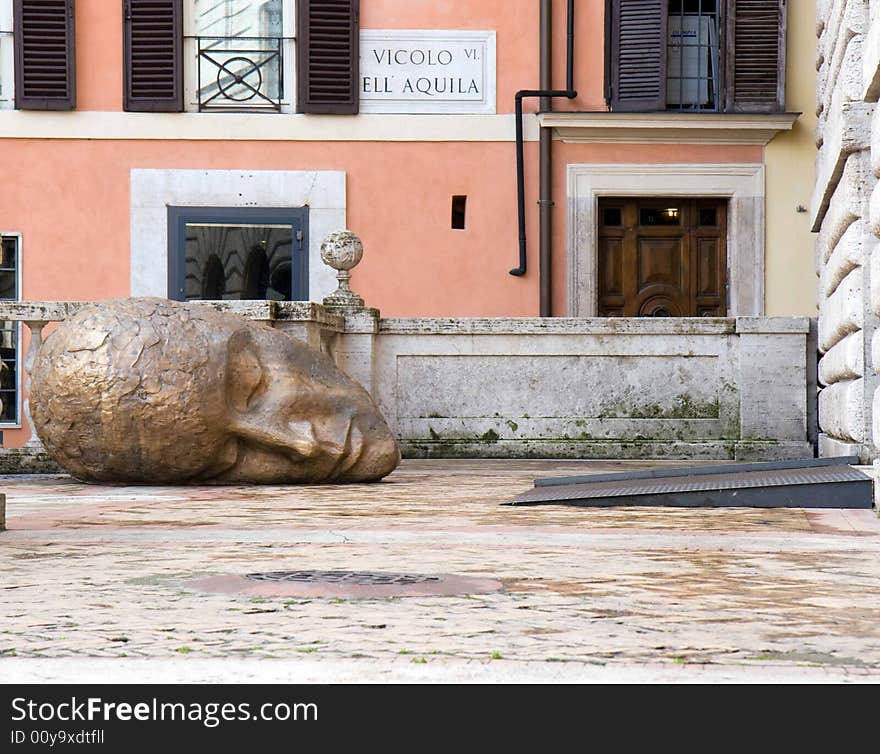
[{"x": 459, "y": 210}]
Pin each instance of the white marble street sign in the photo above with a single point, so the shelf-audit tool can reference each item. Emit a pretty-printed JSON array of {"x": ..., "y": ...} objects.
[{"x": 427, "y": 71}]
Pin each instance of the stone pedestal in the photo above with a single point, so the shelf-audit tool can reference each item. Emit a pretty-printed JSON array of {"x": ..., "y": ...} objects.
[{"x": 355, "y": 351}]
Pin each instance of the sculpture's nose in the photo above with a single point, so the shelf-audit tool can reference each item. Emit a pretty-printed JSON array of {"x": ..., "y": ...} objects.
[{"x": 374, "y": 448}]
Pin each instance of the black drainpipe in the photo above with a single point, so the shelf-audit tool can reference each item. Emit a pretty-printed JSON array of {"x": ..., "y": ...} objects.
[
  {"x": 545, "y": 162},
  {"x": 545, "y": 94}
]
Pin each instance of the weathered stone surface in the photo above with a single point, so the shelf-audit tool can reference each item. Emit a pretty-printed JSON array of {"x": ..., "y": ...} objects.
[
  {"x": 93, "y": 576},
  {"x": 343, "y": 251},
  {"x": 875, "y": 421},
  {"x": 875, "y": 351},
  {"x": 843, "y": 312},
  {"x": 842, "y": 411},
  {"x": 595, "y": 387},
  {"x": 154, "y": 391},
  {"x": 830, "y": 447},
  {"x": 846, "y": 214},
  {"x": 772, "y": 325},
  {"x": 772, "y": 387},
  {"x": 845, "y": 20},
  {"x": 56, "y": 311},
  {"x": 871, "y": 57},
  {"x": 308, "y": 311},
  {"x": 838, "y": 59},
  {"x": 845, "y": 361},
  {"x": 702, "y": 450},
  {"x": 27, "y": 460},
  {"x": 560, "y": 326},
  {"x": 850, "y": 87},
  {"x": 846, "y": 131},
  {"x": 714, "y": 404},
  {"x": 39, "y": 311},
  {"x": 849, "y": 202},
  {"x": 850, "y": 252},
  {"x": 823, "y": 9}
]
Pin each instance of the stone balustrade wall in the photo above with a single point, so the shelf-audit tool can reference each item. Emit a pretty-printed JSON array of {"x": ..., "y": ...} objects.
[{"x": 567, "y": 388}]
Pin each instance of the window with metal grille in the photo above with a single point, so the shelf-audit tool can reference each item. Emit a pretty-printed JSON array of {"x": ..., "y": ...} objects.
[
  {"x": 240, "y": 54},
  {"x": 237, "y": 55},
  {"x": 10, "y": 332},
  {"x": 695, "y": 55}
]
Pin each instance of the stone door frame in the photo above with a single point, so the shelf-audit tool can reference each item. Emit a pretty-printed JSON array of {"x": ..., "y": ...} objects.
[{"x": 741, "y": 183}]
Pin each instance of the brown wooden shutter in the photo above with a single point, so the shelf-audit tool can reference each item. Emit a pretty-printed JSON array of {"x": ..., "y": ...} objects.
[
  {"x": 152, "y": 55},
  {"x": 756, "y": 56},
  {"x": 637, "y": 64},
  {"x": 327, "y": 56},
  {"x": 45, "y": 60}
]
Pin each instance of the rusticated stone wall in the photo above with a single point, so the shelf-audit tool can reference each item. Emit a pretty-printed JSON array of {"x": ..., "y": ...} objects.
[{"x": 846, "y": 216}]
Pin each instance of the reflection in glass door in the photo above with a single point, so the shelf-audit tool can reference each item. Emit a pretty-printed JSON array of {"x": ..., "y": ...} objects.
[{"x": 237, "y": 254}]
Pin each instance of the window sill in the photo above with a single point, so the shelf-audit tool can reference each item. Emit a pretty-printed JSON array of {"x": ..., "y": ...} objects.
[{"x": 668, "y": 127}]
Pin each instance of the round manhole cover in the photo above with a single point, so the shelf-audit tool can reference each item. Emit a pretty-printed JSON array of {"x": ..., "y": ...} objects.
[
  {"x": 360, "y": 578},
  {"x": 344, "y": 584}
]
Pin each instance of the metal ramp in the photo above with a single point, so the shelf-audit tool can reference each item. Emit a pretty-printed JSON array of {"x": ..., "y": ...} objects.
[{"x": 811, "y": 483}]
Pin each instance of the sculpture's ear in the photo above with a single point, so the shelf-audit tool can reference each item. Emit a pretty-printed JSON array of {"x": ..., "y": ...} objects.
[{"x": 244, "y": 372}]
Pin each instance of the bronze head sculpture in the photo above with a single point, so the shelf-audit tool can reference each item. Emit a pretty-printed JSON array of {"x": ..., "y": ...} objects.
[{"x": 155, "y": 391}]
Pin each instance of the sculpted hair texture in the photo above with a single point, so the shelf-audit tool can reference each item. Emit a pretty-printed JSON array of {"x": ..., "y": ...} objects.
[{"x": 109, "y": 393}]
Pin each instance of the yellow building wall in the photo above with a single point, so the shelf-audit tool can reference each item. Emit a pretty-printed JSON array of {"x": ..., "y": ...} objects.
[{"x": 790, "y": 274}]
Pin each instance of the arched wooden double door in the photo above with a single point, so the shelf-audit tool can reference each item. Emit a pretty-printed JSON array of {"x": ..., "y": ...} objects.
[{"x": 662, "y": 257}]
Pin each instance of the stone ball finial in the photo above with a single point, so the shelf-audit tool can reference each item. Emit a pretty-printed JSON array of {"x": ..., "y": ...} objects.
[{"x": 343, "y": 250}]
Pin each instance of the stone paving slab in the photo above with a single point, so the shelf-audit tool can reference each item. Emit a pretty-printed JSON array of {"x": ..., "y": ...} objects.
[
  {"x": 401, "y": 670},
  {"x": 102, "y": 572}
]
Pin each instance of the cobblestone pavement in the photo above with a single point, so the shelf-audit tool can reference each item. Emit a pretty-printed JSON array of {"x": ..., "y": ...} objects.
[{"x": 603, "y": 594}]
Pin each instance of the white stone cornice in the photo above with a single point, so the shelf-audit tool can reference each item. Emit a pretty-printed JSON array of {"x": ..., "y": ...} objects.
[
  {"x": 668, "y": 127},
  {"x": 20, "y": 124}
]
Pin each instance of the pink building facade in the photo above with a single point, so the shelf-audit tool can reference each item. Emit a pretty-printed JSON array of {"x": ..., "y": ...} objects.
[{"x": 680, "y": 202}]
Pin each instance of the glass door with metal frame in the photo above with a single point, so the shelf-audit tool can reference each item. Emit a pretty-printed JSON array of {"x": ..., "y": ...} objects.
[{"x": 238, "y": 253}]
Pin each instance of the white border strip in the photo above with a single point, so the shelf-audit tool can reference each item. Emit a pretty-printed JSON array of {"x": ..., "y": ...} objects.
[{"x": 21, "y": 124}]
